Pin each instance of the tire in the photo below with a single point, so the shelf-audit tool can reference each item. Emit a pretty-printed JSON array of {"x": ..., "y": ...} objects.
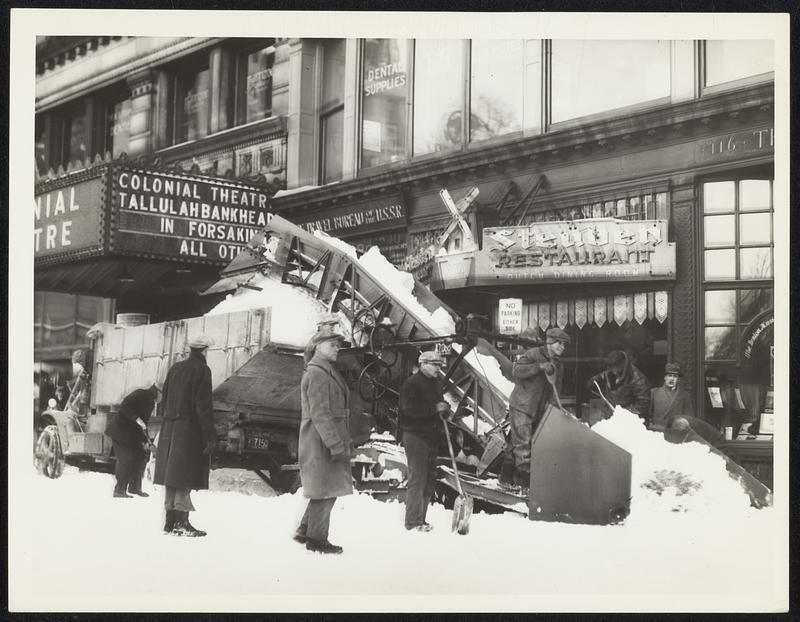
[
  {"x": 374, "y": 381},
  {"x": 379, "y": 339},
  {"x": 362, "y": 327},
  {"x": 49, "y": 454}
]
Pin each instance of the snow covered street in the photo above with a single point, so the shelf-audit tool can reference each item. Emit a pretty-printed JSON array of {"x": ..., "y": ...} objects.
[{"x": 84, "y": 550}]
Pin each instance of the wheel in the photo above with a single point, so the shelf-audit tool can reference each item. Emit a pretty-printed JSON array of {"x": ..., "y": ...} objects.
[
  {"x": 362, "y": 327},
  {"x": 381, "y": 337},
  {"x": 374, "y": 381},
  {"x": 49, "y": 454}
]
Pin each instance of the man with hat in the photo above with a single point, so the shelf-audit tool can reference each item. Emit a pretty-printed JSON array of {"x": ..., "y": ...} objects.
[
  {"x": 622, "y": 384},
  {"x": 128, "y": 433},
  {"x": 672, "y": 412},
  {"x": 537, "y": 375},
  {"x": 187, "y": 436},
  {"x": 324, "y": 447},
  {"x": 326, "y": 325},
  {"x": 421, "y": 406}
]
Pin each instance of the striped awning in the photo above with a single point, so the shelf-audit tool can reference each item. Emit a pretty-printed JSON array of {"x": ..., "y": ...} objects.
[{"x": 597, "y": 310}]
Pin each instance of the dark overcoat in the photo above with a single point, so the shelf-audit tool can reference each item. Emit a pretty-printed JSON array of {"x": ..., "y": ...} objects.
[
  {"x": 123, "y": 428},
  {"x": 532, "y": 390},
  {"x": 187, "y": 427},
  {"x": 666, "y": 405},
  {"x": 630, "y": 390},
  {"x": 324, "y": 432}
]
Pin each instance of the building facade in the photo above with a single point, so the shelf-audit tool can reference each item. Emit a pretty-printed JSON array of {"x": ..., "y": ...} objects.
[{"x": 621, "y": 190}]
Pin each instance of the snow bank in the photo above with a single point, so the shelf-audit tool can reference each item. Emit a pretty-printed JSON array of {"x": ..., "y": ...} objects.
[
  {"x": 489, "y": 367},
  {"x": 401, "y": 285},
  {"x": 668, "y": 477},
  {"x": 343, "y": 246},
  {"x": 294, "y": 310}
]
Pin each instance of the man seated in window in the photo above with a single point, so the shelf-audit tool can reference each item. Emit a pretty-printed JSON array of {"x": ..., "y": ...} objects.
[{"x": 622, "y": 384}]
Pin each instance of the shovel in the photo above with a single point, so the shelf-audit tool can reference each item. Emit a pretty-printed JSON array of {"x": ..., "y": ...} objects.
[
  {"x": 462, "y": 508},
  {"x": 600, "y": 393}
]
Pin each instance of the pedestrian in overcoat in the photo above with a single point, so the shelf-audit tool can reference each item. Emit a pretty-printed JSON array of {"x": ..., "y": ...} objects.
[
  {"x": 535, "y": 373},
  {"x": 187, "y": 436},
  {"x": 128, "y": 433},
  {"x": 324, "y": 448}
]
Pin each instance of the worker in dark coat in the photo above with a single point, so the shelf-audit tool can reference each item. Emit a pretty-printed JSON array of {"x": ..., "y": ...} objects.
[
  {"x": 421, "y": 407},
  {"x": 537, "y": 375},
  {"x": 672, "y": 412},
  {"x": 128, "y": 433},
  {"x": 187, "y": 436},
  {"x": 324, "y": 449},
  {"x": 623, "y": 384}
]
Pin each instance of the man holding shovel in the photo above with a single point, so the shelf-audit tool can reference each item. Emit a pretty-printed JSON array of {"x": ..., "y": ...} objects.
[
  {"x": 537, "y": 376},
  {"x": 421, "y": 407}
]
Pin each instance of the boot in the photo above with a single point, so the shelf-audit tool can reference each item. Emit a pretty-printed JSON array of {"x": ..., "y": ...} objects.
[
  {"x": 139, "y": 493},
  {"x": 323, "y": 546},
  {"x": 169, "y": 522},
  {"x": 121, "y": 494},
  {"x": 300, "y": 537},
  {"x": 184, "y": 528}
]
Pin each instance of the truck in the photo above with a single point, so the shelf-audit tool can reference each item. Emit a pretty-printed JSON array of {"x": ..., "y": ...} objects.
[{"x": 577, "y": 475}]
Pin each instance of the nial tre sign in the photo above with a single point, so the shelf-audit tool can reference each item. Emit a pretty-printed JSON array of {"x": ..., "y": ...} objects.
[{"x": 67, "y": 219}]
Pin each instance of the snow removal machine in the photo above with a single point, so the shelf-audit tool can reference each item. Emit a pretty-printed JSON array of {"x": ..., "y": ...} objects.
[{"x": 576, "y": 474}]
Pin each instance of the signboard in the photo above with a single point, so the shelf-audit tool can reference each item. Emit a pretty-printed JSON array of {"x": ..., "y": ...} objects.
[
  {"x": 509, "y": 316},
  {"x": 67, "y": 219},
  {"x": 580, "y": 251},
  {"x": 183, "y": 217},
  {"x": 738, "y": 143},
  {"x": 376, "y": 214}
]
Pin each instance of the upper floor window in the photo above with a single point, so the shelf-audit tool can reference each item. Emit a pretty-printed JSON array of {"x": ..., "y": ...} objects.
[
  {"x": 497, "y": 87},
  {"x": 75, "y": 133},
  {"x": 331, "y": 110},
  {"x": 385, "y": 97},
  {"x": 727, "y": 61},
  {"x": 254, "y": 84},
  {"x": 193, "y": 102},
  {"x": 588, "y": 77},
  {"x": 117, "y": 123}
]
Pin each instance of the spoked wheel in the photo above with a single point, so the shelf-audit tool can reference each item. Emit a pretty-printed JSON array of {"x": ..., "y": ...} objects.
[
  {"x": 49, "y": 454},
  {"x": 374, "y": 380},
  {"x": 380, "y": 340},
  {"x": 362, "y": 327}
]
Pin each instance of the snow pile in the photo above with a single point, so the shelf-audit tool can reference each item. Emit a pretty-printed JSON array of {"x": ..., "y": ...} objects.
[
  {"x": 294, "y": 310},
  {"x": 669, "y": 477},
  {"x": 343, "y": 246},
  {"x": 401, "y": 285},
  {"x": 489, "y": 367}
]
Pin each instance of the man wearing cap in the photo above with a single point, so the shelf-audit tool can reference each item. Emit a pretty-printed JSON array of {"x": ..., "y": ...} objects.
[
  {"x": 537, "y": 375},
  {"x": 622, "y": 384},
  {"x": 128, "y": 433},
  {"x": 187, "y": 436},
  {"x": 421, "y": 405},
  {"x": 324, "y": 442},
  {"x": 672, "y": 412},
  {"x": 326, "y": 326}
]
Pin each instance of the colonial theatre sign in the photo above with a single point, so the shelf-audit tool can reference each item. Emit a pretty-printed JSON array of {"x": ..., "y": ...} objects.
[
  {"x": 591, "y": 250},
  {"x": 154, "y": 220}
]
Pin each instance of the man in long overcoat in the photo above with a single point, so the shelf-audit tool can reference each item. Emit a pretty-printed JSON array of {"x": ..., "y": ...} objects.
[
  {"x": 324, "y": 443},
  {"x": 535, "y": 374},
  {"x": 187, "y": 437},
  {"x": 128, "y": 433}
]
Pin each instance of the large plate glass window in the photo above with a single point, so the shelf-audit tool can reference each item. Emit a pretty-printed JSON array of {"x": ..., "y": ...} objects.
[
  {"x": 75, "y": 133},
  {"x": 118, "y": 123},
  {"x": 332, "y": 109},
  {"x": 438, "y": 95},
  {"x": 589, "y": 77},
  {"x": 727, "y": 61},
  {"x": 496, "y": 87},
  {"x": 193, "y": 104},
  {"x": 385, "y": 94},
  {"x": 254, "y": 84}
]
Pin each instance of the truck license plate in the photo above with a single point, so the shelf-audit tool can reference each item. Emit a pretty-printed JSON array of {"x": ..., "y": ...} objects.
[{"x": 257, "y": 441}]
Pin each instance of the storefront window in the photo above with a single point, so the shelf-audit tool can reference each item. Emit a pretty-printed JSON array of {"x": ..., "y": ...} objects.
[
  {"x": 594, "y": 76},
  {"x": 118, "y": 126},
  {"x": 385, "y": 101},
  {"x": 733, "y": 60},
  {"x": 193, "y": 105},
  {"x": 40, "y": 146},
  {"x": 496, "y": 87},
  {"x": 254, "y": 81},
  {"x": 332, "y": 109},
  {"x": 438, "y": 94}
]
